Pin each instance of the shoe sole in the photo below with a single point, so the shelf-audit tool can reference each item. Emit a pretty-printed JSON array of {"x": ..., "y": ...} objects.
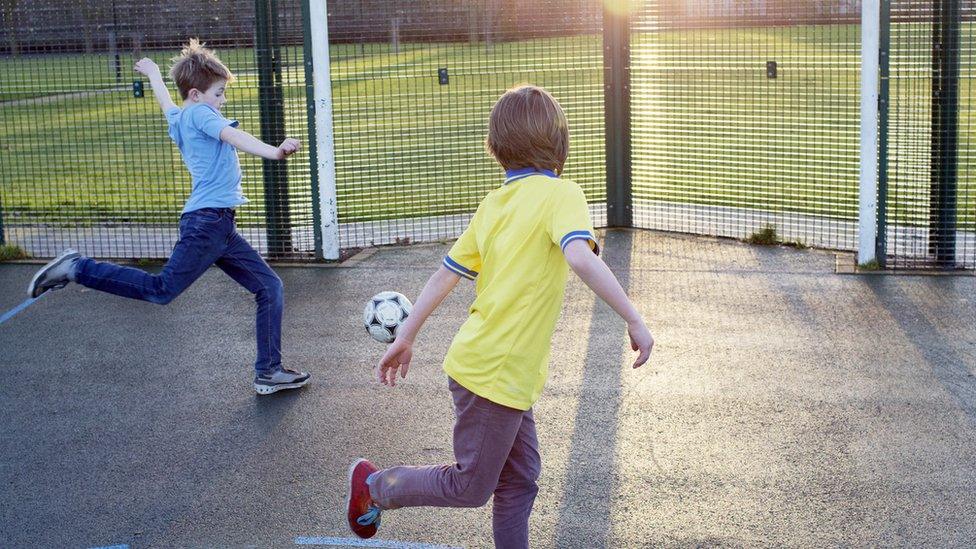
[
  {"x": 352, "y": 468},
  {"x": 269, "y": 389},
  {"x": 44, "y": 270}
]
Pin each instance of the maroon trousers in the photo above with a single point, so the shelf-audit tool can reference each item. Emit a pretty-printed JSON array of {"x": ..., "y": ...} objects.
[{"x": 496, "y": 453}]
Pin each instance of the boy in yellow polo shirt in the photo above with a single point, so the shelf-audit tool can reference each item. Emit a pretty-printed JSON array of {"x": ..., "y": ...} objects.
[{"x": 519, "y": 247}]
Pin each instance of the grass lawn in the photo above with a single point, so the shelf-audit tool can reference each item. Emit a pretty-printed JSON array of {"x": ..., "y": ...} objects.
[{"x": 708, "y": 126}]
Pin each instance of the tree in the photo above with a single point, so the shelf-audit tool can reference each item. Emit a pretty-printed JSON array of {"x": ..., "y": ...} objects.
[
  {"x": 93, "y": 16},
  {"x": 8, "y": 8},
  {"x": 482, "y": 19}
]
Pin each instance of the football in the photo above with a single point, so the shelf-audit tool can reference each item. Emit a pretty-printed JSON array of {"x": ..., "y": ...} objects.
[{"x": 384, "y": 314}]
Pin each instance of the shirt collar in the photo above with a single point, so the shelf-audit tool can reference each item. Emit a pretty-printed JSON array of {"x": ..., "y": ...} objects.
[{"x": 522, "y": 173}]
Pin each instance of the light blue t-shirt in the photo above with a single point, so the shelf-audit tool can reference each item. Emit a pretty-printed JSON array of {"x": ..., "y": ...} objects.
[{"x": 213, "y": 164}]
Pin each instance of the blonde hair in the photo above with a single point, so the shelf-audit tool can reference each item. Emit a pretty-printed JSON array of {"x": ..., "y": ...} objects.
[
  {"x": 197, "y": 67},
  {"x": 528, "y": 128}
]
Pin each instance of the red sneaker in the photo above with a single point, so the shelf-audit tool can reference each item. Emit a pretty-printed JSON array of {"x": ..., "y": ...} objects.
[{"x": 363, "y": 514}]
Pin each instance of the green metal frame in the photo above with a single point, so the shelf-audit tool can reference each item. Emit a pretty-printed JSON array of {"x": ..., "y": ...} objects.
[
  {"x": 884, "y": 55},
  {"x": 945, "y": 131},
  {"x": 313, "y": 163},
  {"x": 616, "y": 82},
  {"x": 272, "y": 103}
]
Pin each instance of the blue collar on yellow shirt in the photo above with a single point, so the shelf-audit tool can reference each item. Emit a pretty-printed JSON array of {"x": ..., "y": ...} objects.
[{"x": 521, "y": 173}]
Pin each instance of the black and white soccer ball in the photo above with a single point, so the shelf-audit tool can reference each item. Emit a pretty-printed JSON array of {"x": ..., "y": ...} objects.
[{"x": 384, "y": 314}]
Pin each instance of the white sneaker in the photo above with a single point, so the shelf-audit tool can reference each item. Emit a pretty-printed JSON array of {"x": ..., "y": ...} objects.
[
  {"x": 282, "y": 378},
  {"x": 54, "y": 275}
]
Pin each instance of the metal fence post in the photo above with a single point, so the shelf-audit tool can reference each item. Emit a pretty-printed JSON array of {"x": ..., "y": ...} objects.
[
  {"x": 308, "y": 60},
  {"x": 271, "y": 101},
  {"x": 325, "y": 201},
  {"x": 616, "y": 85},
  {"x": 884, "y": 58},
  {"x": 868, "y": 185},
  {"x": 945, "y": 116}
]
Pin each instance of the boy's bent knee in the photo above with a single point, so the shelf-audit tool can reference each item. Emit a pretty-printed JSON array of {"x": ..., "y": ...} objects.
[
  {"x": 163, "y": 297},
  {"x": 273, "y": 291},
  {"x": 163, "y": 291},
  {"x": 474, "y": 497},
  {"x": 523, "y": 485},
  {"x": 480, "y": 500}
]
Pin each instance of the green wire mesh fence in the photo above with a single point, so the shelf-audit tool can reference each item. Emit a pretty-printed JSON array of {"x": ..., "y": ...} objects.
[
  {"x": 745, "y": 115},
  {"x": 929, "y": 185},
  {"x": 87, "y": 162},
  {"x": 412, "y": 87},
  {"x": 716, "y": 117}
]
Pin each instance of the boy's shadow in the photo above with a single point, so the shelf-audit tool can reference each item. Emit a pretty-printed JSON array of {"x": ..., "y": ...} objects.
[{"x": 584, "y": 516}]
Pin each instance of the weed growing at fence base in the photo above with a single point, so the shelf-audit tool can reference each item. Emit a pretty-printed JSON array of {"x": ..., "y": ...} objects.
[
  {"x": 764, "y": 237},
  {"x": 9, "y": 252}
]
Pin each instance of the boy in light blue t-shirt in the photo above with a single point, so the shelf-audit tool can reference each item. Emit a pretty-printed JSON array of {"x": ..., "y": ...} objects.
[{"x": 208, "y": 143}]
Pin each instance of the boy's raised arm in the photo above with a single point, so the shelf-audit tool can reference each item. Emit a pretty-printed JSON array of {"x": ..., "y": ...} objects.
[
  {"x": 149, "y": 68},
  {"x": 595, "y": 273},
  {"x": 243, "y": 141},
  {"x": 401, "y": 350}
]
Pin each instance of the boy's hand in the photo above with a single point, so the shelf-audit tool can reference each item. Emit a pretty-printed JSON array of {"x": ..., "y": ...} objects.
[
  {"x": 640, "y": 340},
  {"x": 397, "y": 356},
  {"x": 288, "y": 147},
  {"x": 147, "y": 67}
]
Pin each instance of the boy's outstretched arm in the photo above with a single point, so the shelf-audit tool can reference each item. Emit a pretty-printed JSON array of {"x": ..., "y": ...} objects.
[
  {"x": 243, "y": 141},
  {"x": 400, "y": 352},
  {"x": 595, "y": 273},
  {"x": 149, "y": 68}
]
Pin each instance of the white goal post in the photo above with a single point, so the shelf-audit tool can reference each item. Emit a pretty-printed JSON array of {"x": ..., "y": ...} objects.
[
  {"x": 324, "y": 132},
  {"x": 868, "y": 193}
]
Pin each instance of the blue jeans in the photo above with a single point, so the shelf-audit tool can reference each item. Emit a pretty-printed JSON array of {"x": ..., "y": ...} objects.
[{"x": 207, "y": 236}]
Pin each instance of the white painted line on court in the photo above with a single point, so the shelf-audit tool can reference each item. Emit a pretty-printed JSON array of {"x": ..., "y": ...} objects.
[
  {"x": 356, "y": 542},
  {"x": 27, "y": 303}
]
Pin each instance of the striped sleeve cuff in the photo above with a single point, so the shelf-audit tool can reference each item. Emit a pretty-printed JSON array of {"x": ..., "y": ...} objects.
[
  {"x": 579, "y": 235},
  {"x": 459, "y": 269}
]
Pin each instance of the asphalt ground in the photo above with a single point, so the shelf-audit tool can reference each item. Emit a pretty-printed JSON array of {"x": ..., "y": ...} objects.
[{"x": 784, "y": 405}]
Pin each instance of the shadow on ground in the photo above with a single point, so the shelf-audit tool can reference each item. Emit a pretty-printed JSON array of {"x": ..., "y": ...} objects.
[{"x": 783, "y": 405}]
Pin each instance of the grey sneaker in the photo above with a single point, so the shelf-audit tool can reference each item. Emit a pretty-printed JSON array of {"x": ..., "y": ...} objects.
[
  {"x": 54, "y": 275},
  {"x": 283, "y": 378}
]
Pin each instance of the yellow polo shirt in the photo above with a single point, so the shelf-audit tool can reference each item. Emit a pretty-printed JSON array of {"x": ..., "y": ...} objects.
[{"x": 513, "y": 248}]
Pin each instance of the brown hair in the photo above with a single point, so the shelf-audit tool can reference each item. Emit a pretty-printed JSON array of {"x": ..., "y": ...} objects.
[
  {"x": 528, "y": 128},
  {"x": 197, "y": 67}
]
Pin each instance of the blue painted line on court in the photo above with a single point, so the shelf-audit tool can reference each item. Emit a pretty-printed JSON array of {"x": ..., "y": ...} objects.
[
  {"x": 13, "y": 312},
  {"x": 356, "y": 542}
]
